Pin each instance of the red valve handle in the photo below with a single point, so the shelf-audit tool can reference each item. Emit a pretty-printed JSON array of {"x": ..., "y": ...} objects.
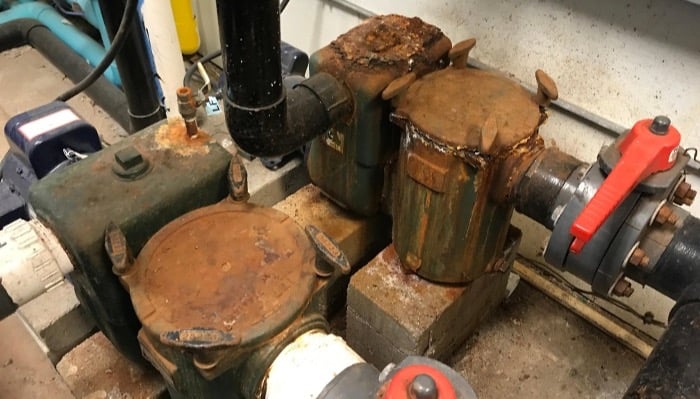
[
  {"x": 400, "y": 385},
  {"x": 651, "y": 146}
]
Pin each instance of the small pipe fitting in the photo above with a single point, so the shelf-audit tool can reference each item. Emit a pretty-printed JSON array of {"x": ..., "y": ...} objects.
[{"x": 187, "y": 107}]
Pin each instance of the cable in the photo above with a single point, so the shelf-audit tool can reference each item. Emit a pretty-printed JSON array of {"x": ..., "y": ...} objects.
[
  {"x": 283, "y": 5},
  {"x": 192, "y": 68},
  {"x": 130, "y": 10}
]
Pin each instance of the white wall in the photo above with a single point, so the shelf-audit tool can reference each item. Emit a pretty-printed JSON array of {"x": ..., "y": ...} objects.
[{"x": 623, "y": 60}]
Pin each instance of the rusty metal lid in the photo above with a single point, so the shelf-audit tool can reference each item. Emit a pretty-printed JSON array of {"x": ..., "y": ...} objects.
[
  {"x": 232, "y": 274},
  {"x": 391, "y": 41},
  {"x": 456, "y": 106}
]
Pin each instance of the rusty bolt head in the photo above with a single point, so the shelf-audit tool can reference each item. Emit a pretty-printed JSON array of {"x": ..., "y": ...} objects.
[
  {"x": 546, "y": 88},
  {"x": 623, "y": 288},
  {"x": 666, "y": 216},
  {"x": 459, "y": 54},
  {"x": 639, "y": 258},
  {"x": 684, "y": 194}
]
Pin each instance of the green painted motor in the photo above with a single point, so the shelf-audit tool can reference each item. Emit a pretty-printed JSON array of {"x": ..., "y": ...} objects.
[
  {"x": 463, "y": 131},
  {"x": 347, "y": 162}
]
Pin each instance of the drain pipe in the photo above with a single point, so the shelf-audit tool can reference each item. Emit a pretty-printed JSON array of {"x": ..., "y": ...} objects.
[
  {"x": 79, "y": 42},
  {"x": 263, "y": 118},
  {"x": 31, "y": 32},
  {"x": 135, "y": 68},
  {"x": 673, "y": 368}
]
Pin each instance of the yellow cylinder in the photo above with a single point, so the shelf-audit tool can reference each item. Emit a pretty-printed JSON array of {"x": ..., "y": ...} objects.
[{"x": 186, "y": 25}]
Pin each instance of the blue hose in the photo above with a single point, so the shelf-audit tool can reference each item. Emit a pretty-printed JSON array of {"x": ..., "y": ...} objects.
[{"x": 79, "y": 42}]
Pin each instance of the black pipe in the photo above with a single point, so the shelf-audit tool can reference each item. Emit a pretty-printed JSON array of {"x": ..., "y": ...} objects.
[
  {"x": 31, "y": 32},
  {"x": 673, "y": 368},
  {"x": 263, "y": 118},
  {"x": 135, "y": 68},
  {"x": 678, "y": 267},
  {"x": 543, "y": 182}
]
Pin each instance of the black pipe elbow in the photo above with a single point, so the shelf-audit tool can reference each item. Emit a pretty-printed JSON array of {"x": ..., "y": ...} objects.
[
  {"x": 262, "y": 117},
  {"x": 309, "y": 109}
]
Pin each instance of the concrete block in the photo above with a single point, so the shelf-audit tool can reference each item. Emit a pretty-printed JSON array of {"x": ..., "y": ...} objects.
[
  {"x": 25, "y": 373},
  {"x": 57, "y": 320},
  {"x": 360, "y": 238},
  {"x": 94, "y": 369},
  {"x": 392, "y": 314}
]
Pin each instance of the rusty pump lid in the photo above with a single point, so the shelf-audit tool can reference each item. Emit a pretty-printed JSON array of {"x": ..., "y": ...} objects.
[
  {"x": 227, "y": 275},
  {"x": 470, "y": 109}
]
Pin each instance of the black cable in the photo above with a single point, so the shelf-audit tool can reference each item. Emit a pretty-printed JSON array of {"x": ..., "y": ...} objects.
[
  {"x": 119, "y": 38},
  {"x": 192, "y": 68},
  {"x": 283, "y": 5}
]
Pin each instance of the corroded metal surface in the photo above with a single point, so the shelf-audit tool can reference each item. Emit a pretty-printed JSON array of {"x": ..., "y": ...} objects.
[
  {"x": 467, "y": 138},
  {"x": 347, "y": 162},
  {"x": 453, "y": 105},
  {"x": 391, "y": 41},
  {"x": 222, "y": 276},
  {"x": 79, "y": 203}
]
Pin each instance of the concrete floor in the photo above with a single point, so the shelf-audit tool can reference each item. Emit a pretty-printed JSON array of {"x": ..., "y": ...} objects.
[{"x": 530, "y": 348}]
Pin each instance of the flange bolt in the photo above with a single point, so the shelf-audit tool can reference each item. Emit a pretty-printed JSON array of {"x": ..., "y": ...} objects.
[
  {"x": 660, "y": 125},
  {"x": 423, "y": 387}
]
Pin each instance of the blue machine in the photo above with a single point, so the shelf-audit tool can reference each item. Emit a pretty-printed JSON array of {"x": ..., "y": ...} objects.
[{"x": 42, "y": 141}]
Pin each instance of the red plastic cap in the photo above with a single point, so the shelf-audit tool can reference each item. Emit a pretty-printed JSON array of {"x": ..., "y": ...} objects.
[
  {"x": 651, "y": 146},
  {"x": 400, "y": 386}
]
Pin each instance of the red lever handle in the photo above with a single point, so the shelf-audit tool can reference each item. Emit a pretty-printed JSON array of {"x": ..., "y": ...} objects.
[{"x": 651, "y": 146}]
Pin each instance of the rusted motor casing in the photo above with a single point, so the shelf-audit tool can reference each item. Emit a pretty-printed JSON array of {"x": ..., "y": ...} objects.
[
  {"x": 220, "y": 292},
  {"x": 347, "y": 162},
  {"x": 462, "y": 130}
]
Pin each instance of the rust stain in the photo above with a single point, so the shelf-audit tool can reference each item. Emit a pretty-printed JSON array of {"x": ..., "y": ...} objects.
[
  {"x": 227, "y": 267},
  {"x": 173, "y": 136},
  {"x": 389, "y": 41},
  {"x": 453, "y": 105}
]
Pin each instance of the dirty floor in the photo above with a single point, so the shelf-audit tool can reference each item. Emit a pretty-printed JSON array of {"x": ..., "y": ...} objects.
[{"x": 530, "y": 348}]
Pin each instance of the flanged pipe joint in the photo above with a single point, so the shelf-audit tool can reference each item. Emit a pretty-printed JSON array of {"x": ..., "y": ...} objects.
[{"x": 263, "y": 118}]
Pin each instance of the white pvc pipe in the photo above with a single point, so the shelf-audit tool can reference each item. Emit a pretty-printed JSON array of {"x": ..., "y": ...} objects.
[
  {"x": 162, "y": 33},
  {"x": 32, "y": 260},
  {"x": 307, "y": 365}
]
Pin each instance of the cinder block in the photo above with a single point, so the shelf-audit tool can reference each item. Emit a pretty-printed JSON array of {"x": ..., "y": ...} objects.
[
  {"x": 24, "y": 370},
  {"x": 94, "y": 369},
  {"x": 58, "y": 320},
  {"x": 359, "y": 238},
  {"x": 392, "y": 314}
]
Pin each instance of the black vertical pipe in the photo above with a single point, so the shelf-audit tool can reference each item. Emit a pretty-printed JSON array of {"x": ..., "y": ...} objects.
[
  {"x": 250, "y": 39},
  {"x": 673, "y": 368},
  {"x": 262, "y": 118},
  {"x": 135, "y": 68}
]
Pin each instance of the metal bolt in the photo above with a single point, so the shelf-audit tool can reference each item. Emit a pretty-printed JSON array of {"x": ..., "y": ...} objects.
[
  {"x": 423, "y": 387},
  {"x": 666, "y": 216},
  {"x": 684, "y": 194},
  {"x": 459, "y": 54},
  {"x": 130, "y": 164},
  {"x": 623, "y": 288},
  {"x": 660, "y": 125},
  {"x": 546, "y": 88},
  {"x": 639, "y": 258},
  {"x": 128, "y": 157}
]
